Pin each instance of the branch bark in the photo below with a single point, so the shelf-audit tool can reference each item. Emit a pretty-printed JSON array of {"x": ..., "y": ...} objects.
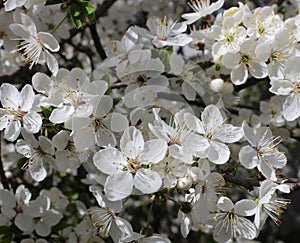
[
  {"x": 3, "y": 178},
  {"x": 241, "y": 182},
  {"x": 97, "y": 42}
]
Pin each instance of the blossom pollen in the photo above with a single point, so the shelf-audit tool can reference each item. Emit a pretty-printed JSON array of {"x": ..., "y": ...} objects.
[
  {"x": 275, "y": 208},
  {"x": 164, "y": 27},
  {"x": 296, "y": 87}
]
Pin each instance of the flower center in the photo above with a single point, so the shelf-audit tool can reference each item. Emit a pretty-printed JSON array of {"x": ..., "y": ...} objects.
[
  {"x": 133, "y": 166},
  {"x": 296, "y": 87},
  {"x": 74, "y": 97},
  {"x": 163, "y": 28},
  {"x": 229, "y": 38}
]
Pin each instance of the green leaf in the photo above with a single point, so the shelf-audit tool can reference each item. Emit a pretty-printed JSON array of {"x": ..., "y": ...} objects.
[
  {"x": 116, "y": 101},
  {"x": 164, "y": 56},
  {"x": 74, "y": 196},
  {"x": 4, "y": 229},
  {"x": 108, "y": 91},
  {"x": 89, "y": 8},
  {"x": 52, "y": 2},
  {"x": 81, "y": 12},
  {"x": 47, "y": 111}
]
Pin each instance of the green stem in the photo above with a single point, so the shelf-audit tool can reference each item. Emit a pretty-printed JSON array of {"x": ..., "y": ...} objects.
[
  {"x": 245, "y": 191},
  {"x": 149, "y": 213},
  {"x": 59, "y": 24}
]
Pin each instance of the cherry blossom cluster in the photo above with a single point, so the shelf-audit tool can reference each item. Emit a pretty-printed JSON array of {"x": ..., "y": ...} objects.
[{"x": 173, "y": 116}]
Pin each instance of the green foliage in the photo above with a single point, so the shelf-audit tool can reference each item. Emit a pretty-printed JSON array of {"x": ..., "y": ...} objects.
[
  {"x": 81, "y": 12},
  {"x": 47, "y": 111},
  {"x": 116, "y": 101},
  {"x": 52, "y": 2},
  {"x": 164, "y": 55}
]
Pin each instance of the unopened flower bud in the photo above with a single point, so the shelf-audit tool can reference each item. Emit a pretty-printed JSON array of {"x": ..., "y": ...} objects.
[
  {"x": 184, "y": 183},
  {"x": 217, "y": 85},
  {"x": 194, "y": 174}
]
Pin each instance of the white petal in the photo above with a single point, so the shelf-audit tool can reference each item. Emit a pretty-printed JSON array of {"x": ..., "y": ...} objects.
[
  {"x": 228, "y": 133},
  {"x": 118, "y": 186},
  {"x": 211, "y": 117},
  {"x": 132, "y": 142},
  {"x": 24, "y": 222},
  {"x": 188, "y": 91},
  {"x": 249, "y": 134},
  {"x": 239, "y": 74},
  {"x": 153, "y": 152},
  {"x": 37, "y": 171},
  {"x": 61, "y": 114},
  {"x": 32, "y": 122},
  {"x": 119, "y": 122},
  {"x": 245, "y": 207},
  {"x": 185, "y": 226},
  {"x": 147, "y": 181},
  {"x": 51, "y": 62},
  {"x": 41, "y": 83},
  {"x": 60, "y": 140},
  {"x": 19, "y": 30},
  {"x": 52, "y": 217},
  {"x": 103, "y": 202},
  {"x": 258, "y": 69},
  {"x": 9, "y": 96},
  {"x": 248, "y": 157},
  {"x": 46, "y": 145},
  {"x": 127, "y": 232},
  {"x": 180, "y": 153},
  {"x": 26, "y": 98},
  {"x": 276, "y": 159},
  {"x": 267, "y": 170},
  {"x": 291, "y": 107},
  {"x": 225, "y": 204},
  {"x": 176, "y": 63},
  {"x": 231, "y": 60},
  {"x": 195, "y": 143},
  {"x": 218, "y": 152},
  {"x": 42, "y": 228},
  {"x": 49, "y": 41},
  {"x": 12, "y": 131},
  {"x": 109, "y": 160}
]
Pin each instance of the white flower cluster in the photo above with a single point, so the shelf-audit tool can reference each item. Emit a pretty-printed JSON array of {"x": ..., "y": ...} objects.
[{"x": 158, "y": 122}]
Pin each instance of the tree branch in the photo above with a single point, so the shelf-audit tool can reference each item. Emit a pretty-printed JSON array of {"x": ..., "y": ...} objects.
[
  {"x": 97, "y": 42},
  {"x": 3, "y": 178},
  {"x": 241, "y": 182}
]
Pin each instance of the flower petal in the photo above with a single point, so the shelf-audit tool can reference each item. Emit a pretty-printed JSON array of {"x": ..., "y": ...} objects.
[
  {"x": 147, "y": 181},
  {"x": 153, "y": 152},
  {"x": 118, "y": 186}
]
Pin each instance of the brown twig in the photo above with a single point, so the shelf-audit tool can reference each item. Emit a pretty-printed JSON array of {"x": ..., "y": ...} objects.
[
  {"x": 3, "y": 178},
  {"x": 97, "y": 42},
  {"x": 241, "y": 182}
]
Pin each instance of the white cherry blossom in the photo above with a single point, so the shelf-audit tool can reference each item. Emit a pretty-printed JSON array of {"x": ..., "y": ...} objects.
[
  {"x": 229, "y": 37},
  {"x": 17, "y": 111},
  {"x": 245, "y": 59},
  {"x": 289, "y": 86},
  {"x": 269, "y": 205},
  {"x": 217, "y": 133},
  {"x": 263, "y": 152},
  {"x": 131, "y": 167},
  {"x": 165, "y": 32},
  {"x": 36, "y": 46},
  {"x": 38, "y": 216},
  {"x": 201, "y": 9},
  {"x": 38, "y": 152},
  {"x": 108, "y": 222},
  {"x": 230, "y": 223}
]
